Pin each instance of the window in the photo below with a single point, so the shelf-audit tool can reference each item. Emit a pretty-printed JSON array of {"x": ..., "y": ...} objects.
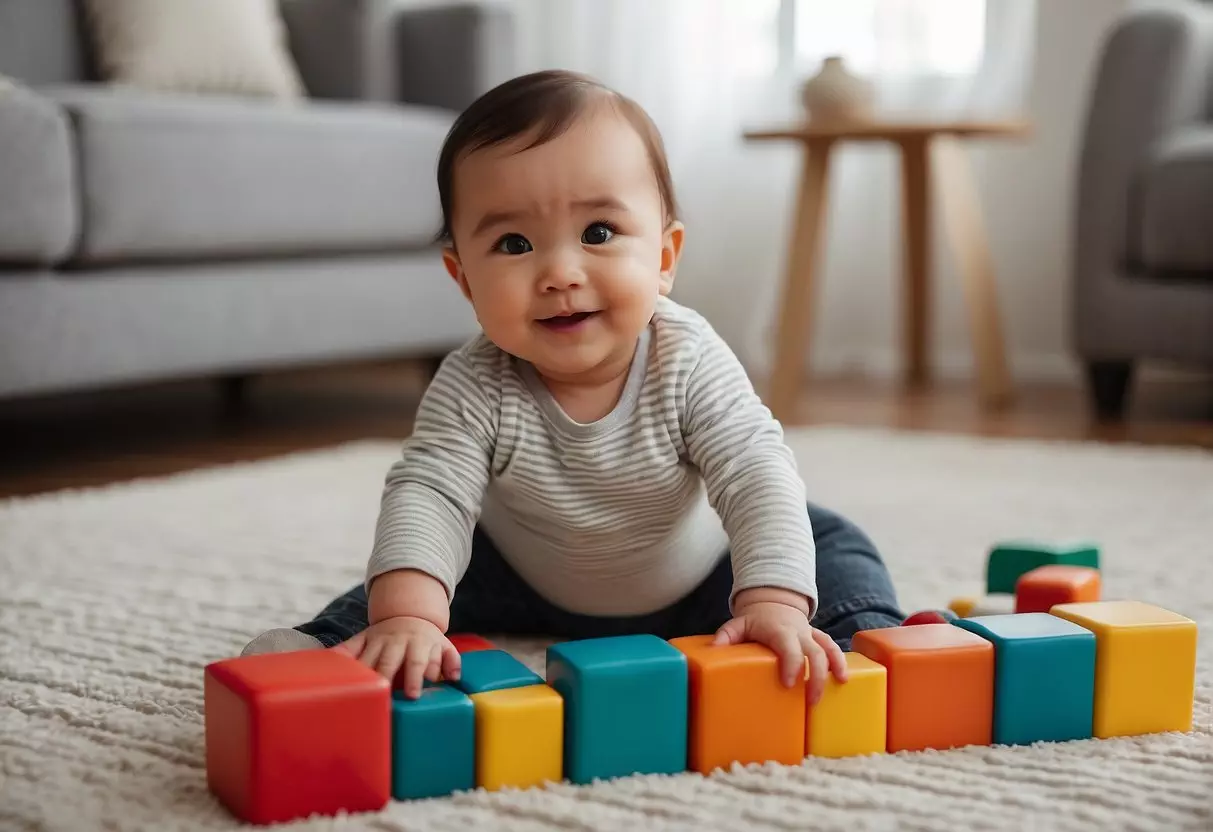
[{"x": 889, "y": 37}]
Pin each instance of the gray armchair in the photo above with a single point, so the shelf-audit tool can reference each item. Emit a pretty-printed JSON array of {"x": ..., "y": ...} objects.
[
  {"x": 154, "y": 235},
  {"x": 1143, "y": 250}
]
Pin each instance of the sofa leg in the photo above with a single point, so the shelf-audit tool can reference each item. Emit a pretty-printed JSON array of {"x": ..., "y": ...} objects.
[{"x": 1109, "y": 387}]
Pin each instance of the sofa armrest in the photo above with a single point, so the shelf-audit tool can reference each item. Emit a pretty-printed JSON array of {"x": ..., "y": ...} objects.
[
  {"x": 448, "y": 55},
  {"x": 440, "y": 54},
  {"x": 39, "y": 200},
  {"x": 1152, "y": 77}
]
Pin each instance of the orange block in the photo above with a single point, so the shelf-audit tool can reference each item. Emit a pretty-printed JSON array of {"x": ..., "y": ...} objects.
[
  {"x": 1042, "y": 588},
  {"x": 740, "y": 710},
  {"x": 940, "y": 685}
]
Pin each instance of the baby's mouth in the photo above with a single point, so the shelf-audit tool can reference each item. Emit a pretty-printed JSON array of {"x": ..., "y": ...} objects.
[{"x": 567, "y": 322}]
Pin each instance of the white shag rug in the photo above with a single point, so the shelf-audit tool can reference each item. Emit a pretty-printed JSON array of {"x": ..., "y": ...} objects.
[{"x": 112, "y": 600}]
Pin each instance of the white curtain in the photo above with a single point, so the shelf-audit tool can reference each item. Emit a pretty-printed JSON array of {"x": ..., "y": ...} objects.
[{"x": 707, "y": 70}]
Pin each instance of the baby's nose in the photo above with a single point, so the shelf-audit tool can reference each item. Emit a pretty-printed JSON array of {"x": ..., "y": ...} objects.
[{"x": 559, "y": 274}]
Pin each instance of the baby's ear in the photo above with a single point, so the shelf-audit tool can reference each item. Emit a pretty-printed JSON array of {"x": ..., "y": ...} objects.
[
  {"x": 671, "y": 252},
  {"x": 450, "y": 259}
]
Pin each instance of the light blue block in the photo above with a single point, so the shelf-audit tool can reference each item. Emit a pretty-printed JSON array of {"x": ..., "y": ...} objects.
[
  {"x": 1044, "y": 676},
  {"x": 484, "y": 670},
  {"x": 433, "y": 743},
  {"x": 625, "y": 706}
]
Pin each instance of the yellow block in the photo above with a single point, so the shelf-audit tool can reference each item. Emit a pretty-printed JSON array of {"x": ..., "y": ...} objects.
[
  {"x": 962, "y": 606},
  {"x": 851, "y": 717},
  {"x": 1145, "y": 666},
  {"x": 519, "y": 737}
]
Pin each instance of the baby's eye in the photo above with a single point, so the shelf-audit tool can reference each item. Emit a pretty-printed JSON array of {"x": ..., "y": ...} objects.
[
  {"x": 513, "y": 244},
  {"x": 597, "y": 233}
]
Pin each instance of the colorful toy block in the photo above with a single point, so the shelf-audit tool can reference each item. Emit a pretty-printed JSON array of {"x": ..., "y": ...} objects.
[
  {"x": 469, "y": 642},
  {"x": 1012, "y": 558},
  {"x": 292, "y": 734},
  {"x": 625, "y": 700},
  {"x": 851, "y": 718},
  {"x": 996, "y": 604},
  {"x": 519, "y": 737},
  {"x": 941, "y": 684},
  {"x": 1044, "y": 677},
  {"x": 1145, "y": 666},
  {"x": 433, "y": 743},
  {"x": 1046, "y": 586},
  {"x": 740, "y": 710},
  {"x": 485, "y": 670}
]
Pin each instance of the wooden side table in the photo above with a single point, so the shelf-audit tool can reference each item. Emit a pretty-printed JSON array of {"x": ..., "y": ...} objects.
[{"x": 928, "y": 150}]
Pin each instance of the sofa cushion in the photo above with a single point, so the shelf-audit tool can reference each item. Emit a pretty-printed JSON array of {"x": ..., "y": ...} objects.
[
  {"x": 175, "y": 177},
  {"x": 38, "y": 206},
  {"x": 1175, "y": 195}
]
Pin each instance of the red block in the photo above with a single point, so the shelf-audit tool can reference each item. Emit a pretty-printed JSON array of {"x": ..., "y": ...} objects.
[
  {"x": 470, "y": 643},
  {"x": 1046, "y": 586},
  {"x": 292, "y": 734}
]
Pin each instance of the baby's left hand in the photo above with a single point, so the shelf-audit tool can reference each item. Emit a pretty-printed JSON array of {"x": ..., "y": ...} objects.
[{"x": 786, "y": 630}]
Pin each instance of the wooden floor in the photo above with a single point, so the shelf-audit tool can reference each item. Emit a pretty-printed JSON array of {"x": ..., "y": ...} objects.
[{"x": 93, "y": 439}]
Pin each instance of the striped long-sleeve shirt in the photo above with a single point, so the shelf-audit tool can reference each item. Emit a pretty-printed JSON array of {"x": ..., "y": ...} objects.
[{"x": 622, "y": 516}]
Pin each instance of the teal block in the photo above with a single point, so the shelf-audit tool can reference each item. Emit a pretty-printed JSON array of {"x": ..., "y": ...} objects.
[
  {"x": 433, "y": 743},
  {"x": 1011, "y": 558},
  {"x": 1044, "y": 676},
  {"x": 625, "y": 706},
  {"x": 484, "y": 670}
]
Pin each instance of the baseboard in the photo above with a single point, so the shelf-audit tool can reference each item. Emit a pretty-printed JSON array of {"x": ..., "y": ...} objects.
[{"x": 952, "y": 365}]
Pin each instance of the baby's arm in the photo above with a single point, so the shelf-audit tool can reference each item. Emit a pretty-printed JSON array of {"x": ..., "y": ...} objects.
[
  {"x": 753, "y": 484},
  {"x": 429, "y": 507}
]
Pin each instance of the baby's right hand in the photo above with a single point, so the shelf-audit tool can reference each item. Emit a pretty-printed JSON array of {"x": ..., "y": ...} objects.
[{"x": 414, "y": 644}]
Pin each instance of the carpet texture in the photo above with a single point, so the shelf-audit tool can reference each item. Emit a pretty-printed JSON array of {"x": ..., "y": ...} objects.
[{"x": 112, "y": 600}]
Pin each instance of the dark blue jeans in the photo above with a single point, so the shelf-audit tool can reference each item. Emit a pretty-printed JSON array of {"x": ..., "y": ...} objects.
[{"x": 854, "y": 590}]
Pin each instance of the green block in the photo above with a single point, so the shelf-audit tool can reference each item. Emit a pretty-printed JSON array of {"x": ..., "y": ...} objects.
[
  {"x": 625, "y": 706},
  {"x": 433, "y": 743},
  {"x": 1012, "y": 558},
  {"x": 1044, "y": 677},
  {"x": 485, "y": 670}
]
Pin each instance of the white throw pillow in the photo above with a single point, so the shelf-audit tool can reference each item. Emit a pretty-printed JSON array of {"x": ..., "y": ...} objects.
[{"x": 235, "y": 47}]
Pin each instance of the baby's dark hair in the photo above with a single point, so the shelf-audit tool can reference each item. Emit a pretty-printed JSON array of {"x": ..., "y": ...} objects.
[{"x": 548, "y": 102}]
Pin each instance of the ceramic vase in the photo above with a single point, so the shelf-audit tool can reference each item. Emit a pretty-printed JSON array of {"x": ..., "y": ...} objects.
[{"x": 836, "y": 94}]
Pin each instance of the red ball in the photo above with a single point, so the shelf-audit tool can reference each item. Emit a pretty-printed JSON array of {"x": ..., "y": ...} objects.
[{"x": 926, "y": 617}]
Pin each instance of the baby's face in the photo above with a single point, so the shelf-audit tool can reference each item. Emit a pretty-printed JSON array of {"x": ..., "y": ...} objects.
[{"x": 563, "y": 249}]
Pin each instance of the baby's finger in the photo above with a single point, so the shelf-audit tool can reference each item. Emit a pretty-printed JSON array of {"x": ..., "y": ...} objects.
[
  {"x": 834, "y": 655},
  {"x": 433, "y": 670},
  {"x": 390, "y": 659},
  {"x": 415, "y": 663},
  {"x": 354, "y": 644},
  {"x": 370, "y": 652},
  {"x": 791, "y": 656},
  {"x": 451, "y": 662},
  {"x": 818, "y": 668}
]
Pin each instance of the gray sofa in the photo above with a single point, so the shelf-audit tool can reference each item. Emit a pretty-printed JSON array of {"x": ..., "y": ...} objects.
[
  {"x": 1143, "y": 248},
  {"x": 149, "y": 236}
]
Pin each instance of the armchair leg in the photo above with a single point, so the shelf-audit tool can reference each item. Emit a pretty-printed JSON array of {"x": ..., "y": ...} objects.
[{"x": 1108, "y": 382}]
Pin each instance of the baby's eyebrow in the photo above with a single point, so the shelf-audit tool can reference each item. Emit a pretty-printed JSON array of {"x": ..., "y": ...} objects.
[
  {"x": 493, "y": 218},
  {"x": 608, "y": 202},
  {"x": 496, "y": 218}
]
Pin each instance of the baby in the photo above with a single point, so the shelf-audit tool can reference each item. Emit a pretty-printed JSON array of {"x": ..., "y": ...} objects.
[{"x": 596, "y": 462}]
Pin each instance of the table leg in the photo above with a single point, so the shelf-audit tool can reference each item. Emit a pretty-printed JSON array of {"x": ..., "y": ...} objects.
[
  {"x": 961, "y": 212},
  {"x": 796, "y": 315},
  {"x": 916, "y": 238}
]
